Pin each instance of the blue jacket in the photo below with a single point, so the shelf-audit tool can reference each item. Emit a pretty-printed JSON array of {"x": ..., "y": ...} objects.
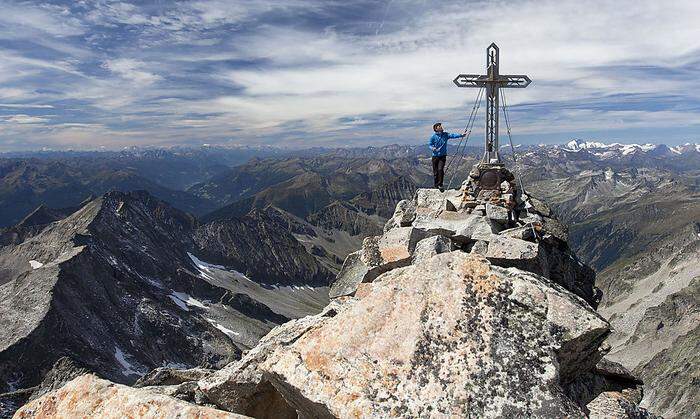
[{"x": 438, "y": 143}]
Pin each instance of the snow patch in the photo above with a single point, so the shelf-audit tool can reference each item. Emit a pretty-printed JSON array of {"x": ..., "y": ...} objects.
[
  {"x": 36, "y": 264},
  {"x": 206, "y": 268},
  {"x": 128, "y": 367},
  {"x": 228, "y": 332},
  {"x": 609, "y": 174},
  {"x": 179, "y": 302},
  {"x": 577, "y": 145},
  {"x": 183, "y": 300},
  {"x": 203, "y": 265},
  {"x": 189, "y": 300}
]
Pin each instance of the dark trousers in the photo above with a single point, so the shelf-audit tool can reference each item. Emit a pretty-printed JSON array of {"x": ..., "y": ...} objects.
[{"x": 439, "y": 170}]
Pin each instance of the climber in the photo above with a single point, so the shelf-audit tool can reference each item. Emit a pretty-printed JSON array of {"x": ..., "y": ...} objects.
[{"x": 438, "y": 147}]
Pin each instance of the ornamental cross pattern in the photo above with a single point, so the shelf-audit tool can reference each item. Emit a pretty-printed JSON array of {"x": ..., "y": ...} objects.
[{"x": 492, "y": 81}]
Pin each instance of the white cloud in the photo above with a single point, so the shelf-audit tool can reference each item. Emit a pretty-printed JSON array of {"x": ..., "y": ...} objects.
[
  {"x": 18, "y": 20},
  {"x": 132, "y": 70},
  {"x": 24, "y": 119}
]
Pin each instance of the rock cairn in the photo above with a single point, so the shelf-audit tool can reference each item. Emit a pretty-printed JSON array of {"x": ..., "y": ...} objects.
[{"x": 489, "y": 216}]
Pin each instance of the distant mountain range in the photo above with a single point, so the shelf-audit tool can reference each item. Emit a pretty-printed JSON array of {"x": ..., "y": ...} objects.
[{"x": 625, "y": 149}]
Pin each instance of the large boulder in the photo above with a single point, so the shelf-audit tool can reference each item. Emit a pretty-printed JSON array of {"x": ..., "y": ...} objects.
[
  {"x": 475, "y": 228},
  {"x": 445, "y": 223},
  {"x": 404, "y": 214},
  {"x": 427, "y": 248},
  {"x": 89, "y": 397},
  {"x": 241, "y": 386},
  {"x": 352, "y": 274},
  {"x": 379, "y": 254},
  {"x": 431, "y": 199},
  {"x": 497, "y": 213},
  {"x": 510, "y": 252},
  {"x": 450, "y": 336}
]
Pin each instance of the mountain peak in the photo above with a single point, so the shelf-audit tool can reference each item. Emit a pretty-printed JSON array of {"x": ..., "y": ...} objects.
[{"x": 577, "y": 145}]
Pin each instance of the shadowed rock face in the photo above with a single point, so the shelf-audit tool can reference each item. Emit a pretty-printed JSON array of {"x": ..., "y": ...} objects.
[
  {"x": 117, "y": 286},
  {"x": 259, "y": 246}
]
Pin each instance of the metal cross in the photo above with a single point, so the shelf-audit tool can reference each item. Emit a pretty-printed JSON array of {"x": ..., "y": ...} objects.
[{"x": 492, "y": 81}]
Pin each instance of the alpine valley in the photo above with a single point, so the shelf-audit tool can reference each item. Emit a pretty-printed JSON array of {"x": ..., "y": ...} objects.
[{"x": 155, "y": 263}]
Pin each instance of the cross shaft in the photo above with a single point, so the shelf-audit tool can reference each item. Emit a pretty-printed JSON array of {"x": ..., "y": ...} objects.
[{"x": 492, "y": 81}]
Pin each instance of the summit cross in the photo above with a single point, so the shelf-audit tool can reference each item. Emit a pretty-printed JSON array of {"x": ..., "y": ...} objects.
[{"x": 492, "y": 81}]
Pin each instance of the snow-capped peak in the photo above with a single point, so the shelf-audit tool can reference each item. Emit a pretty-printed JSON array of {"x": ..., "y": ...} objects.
[
  {"x": 600, "y": 148},
  {"x": 576, "y": 145}
]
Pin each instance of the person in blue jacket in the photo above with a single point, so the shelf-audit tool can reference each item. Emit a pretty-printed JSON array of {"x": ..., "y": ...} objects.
[{"x": 438, "y": 147}]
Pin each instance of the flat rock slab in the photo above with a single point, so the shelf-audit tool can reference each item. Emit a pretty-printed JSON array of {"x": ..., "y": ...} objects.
[
  {"x": 427, "y": 248},
  {"x": 476, "y": 227},
  {"x": 352, "y": 273},
  {"x": 504, "y": 247},
  {"x": 497, "y": 213},
  {"x": 452, "y": 336},
  {"x": 90, "y": 397},
  {"x": 445, "y": 223},
  {"x": 431, "y": 199}
]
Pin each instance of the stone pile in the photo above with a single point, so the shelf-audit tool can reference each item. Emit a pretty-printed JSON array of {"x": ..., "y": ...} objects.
[{"x": 509, "y": 228}]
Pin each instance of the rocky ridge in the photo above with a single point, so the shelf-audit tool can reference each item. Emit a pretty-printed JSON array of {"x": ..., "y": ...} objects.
[
  {"x": 128, "y": 283},
  {"x": 469, "y": 304}
]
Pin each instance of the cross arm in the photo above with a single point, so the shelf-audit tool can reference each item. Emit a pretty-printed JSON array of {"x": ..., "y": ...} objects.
[
  {"x": 479, "y": 80},
  {"x": 470, "y": 80},
  {"x": 515, "y": 81}
]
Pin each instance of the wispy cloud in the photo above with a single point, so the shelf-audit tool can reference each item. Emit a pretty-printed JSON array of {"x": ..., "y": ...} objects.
[{"x": 302, "y": 72}]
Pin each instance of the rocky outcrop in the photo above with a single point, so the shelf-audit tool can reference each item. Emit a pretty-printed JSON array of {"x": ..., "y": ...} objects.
[
  {"x": 609, "y": 390},
  {"x": 378, "y": 254},
  {"x": 89, "y": 396},
  {"x": 63, "y": 371},
  {"x": 452, "y": 335}
]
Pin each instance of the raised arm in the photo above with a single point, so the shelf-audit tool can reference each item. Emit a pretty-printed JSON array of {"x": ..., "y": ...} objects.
[{"x": 455, "y": 135}]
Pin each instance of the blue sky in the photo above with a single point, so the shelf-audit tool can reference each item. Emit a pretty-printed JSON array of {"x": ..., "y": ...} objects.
[{"x": 91, "y": 74}]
